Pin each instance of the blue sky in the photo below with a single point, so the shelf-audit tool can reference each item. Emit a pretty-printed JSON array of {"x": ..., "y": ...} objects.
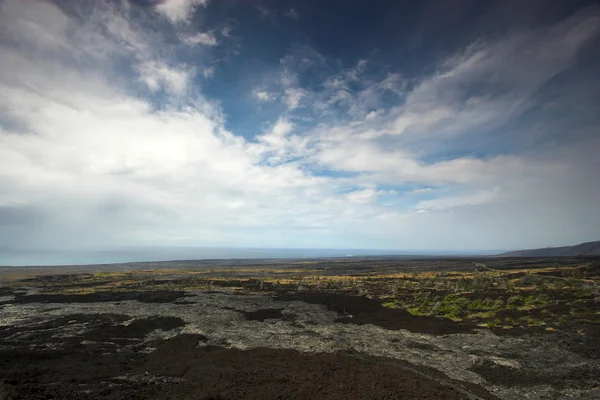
[{"x": 431, "y": 125}]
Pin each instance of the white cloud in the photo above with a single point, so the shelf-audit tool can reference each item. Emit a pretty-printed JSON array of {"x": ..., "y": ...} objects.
[
  {"x": 42, "y": 27},
  {"x": 367, "y": 195},
  {"x": 343, "y": 79},
  {"x": 178, "y": 10},
  {"x": 278, "y": 145},
  {"x": 263, "y": 95},
  {"x": 393, "y": 82},
  {"x": 202, "y": 39},
  {"x": 157, "y": 75},
  {"x": 349, "y": 93},
  {"x": 440, "y": 104},
  {"x": 374, "y": 114},
  {"x": 293, "y": 96},
  {"x": 282, "y": 127},
  {"x": 470, "y": 199},
  {"x": 92, "y": 162},
  {"x": 140, "y": 175},
  {"x": 353, "y": 74},
  {"x": 41, "y": 24},
  {"x": 341, "y": 151}
]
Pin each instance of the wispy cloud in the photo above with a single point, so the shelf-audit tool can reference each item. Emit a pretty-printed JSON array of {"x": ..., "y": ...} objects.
[
  {"x": 178, "y": 11},
  {"x": 489, "y": 82},
  {"x": 157, "y": 75},
  {"x": 107, "y": 123},
  {"x": 263, "y": 95},
  {"x": 292, "y": 14},
  {"x": 202, "y": 38},
  {"x": 208, "y": 72},
  {"x": 293, "y": 96},
  {"x": 274, "y": 15}
]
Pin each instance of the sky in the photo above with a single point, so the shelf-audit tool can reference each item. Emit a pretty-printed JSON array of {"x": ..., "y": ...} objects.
[{"x": 429, "y": 125}]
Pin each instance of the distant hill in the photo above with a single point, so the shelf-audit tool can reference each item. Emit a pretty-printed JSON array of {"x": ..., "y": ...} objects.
[{"x": 583, "y": 249}]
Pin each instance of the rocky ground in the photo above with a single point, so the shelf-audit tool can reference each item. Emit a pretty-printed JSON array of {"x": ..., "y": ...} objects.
[{"x": 223, "y": 343}]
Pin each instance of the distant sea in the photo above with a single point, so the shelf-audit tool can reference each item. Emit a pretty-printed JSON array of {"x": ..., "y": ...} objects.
[{"x": 12, "y": 257}]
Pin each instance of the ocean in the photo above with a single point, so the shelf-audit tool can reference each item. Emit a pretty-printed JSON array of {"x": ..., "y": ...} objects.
[{"x": 37, "y": 257}]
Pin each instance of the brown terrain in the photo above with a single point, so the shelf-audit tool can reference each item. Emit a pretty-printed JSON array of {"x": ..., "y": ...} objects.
[{"x": 328, "y": 329}]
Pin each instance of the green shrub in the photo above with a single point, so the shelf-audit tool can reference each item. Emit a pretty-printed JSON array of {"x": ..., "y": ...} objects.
[
  {"x": 486, "y": 305},
  {"x": 390, "y": 304},
  {"x": 494, "y": 323},
  {"x": 476, "y": 305},
  {"x": 499, "y": 304},
  {"x": 454, "y": 306},
  {"x": 536, "y": 301},
  {"x": 515, "y": 301}
]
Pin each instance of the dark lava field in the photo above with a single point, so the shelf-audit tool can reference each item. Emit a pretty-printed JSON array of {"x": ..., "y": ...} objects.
[{"x": 303, "y": 329}]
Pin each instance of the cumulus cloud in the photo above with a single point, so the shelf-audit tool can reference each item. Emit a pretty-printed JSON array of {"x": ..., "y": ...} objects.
[
  {"x": 157, "y": 75},
  {"x": 122, "y": 172},
  {"x": 178, "y": 10},
  {"x": 106, "y": 138},
  {"x": 282, "y": 127}
]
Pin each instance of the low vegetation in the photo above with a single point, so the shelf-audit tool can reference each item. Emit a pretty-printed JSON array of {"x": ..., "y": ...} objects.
[{"x": 549, "y": 298}]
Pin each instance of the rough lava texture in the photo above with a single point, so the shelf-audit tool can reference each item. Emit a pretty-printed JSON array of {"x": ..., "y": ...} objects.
[{"x": 223, "y": 345}]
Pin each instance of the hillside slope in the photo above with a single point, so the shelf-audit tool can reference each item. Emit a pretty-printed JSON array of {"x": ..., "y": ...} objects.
[{"x": 583, "y": 249}]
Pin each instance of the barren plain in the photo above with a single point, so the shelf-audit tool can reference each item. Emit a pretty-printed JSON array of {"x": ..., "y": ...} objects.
[{"x": 375, "y": 328}]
